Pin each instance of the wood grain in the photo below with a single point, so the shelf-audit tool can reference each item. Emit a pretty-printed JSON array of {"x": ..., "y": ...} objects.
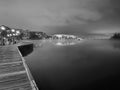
[{"x": 14, "y": 75}]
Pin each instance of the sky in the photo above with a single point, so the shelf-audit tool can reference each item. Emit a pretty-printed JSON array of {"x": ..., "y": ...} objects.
[{"x": 62, "y": 16}]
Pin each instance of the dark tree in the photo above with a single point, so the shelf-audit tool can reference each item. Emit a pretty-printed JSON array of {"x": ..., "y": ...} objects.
[{"x": 116, "y": 36}]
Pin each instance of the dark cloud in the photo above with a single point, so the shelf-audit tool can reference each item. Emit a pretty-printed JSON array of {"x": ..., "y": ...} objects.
[{"x": 67, "y": 16}]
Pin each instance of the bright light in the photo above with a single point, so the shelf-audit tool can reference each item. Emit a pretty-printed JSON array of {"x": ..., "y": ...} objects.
[
  {"x": 59, "y": 44},
  {"x": 18, "y": 32},
  {"x": 13, "y": 34},
  {"x": 8, "y": 35},
  {"x": 2, "y": 27},
  {"x": 13, "y": 30}
]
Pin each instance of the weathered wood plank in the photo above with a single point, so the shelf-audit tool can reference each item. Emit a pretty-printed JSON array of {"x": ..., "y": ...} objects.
[
  {"x": 14, "y": 74},
  {"x": 10, "y": 60},
  {"x": 13, "y": 80},
  {"x": 25, "y": 86},
  {"x": 11, "y": 67}
]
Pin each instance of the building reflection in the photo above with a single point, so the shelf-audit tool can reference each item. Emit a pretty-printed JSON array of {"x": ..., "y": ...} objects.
[
  {"x": 65, "y": 42},
  {"x": 115, "y": 44}
]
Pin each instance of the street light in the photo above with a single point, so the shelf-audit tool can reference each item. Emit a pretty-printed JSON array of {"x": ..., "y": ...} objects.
[
  {"x": 13, "y": 30},
  {"x": 2, "y": 28},
  {"x": 10, "y": 34},
  {"x": 13, "y": 34},
  {"x": 17, "y": 32}
]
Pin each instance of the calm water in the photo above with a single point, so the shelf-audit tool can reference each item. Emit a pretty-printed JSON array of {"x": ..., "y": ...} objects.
[{"x": 86, "y": 65}]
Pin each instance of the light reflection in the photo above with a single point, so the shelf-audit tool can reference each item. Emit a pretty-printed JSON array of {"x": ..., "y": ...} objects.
[{"x": 65, "y": 42}]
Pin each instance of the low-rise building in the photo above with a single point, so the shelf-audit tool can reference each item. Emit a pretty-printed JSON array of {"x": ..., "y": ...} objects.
[{"x": 64, "y": 36}]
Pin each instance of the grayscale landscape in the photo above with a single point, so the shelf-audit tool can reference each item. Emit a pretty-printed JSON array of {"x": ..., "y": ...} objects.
[{"x": 59, "y": 44}]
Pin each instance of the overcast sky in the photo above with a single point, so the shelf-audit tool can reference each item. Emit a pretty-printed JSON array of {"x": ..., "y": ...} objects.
[{"x": 62, "y": 16}]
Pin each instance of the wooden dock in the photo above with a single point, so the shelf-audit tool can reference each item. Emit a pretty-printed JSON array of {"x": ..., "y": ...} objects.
[{"x": 14, "y": 73}]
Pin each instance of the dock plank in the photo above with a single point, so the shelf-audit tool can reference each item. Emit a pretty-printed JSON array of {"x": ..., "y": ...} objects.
[
  {"x": 10, "y": 67},
  {"x": 14, "y": 75}
]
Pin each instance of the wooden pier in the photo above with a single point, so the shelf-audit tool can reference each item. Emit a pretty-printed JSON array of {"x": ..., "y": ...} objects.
[{"x": 14, "y": 73}]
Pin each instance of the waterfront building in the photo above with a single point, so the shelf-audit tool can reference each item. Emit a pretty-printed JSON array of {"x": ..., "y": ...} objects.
[
  {"x": 64, "y": 36},
  {"x": 8, "y": 35}
]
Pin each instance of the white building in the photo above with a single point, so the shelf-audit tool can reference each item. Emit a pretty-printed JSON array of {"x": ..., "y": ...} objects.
[{"x": 65, "y": 36}]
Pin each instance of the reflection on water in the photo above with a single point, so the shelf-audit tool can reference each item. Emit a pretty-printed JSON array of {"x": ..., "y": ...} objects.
[
  {"x": 89, "y": 64},
  {"x": 39, "y": 44},
  {"x": 116, "y": 44},
  {"x": 65, "y": 42}
]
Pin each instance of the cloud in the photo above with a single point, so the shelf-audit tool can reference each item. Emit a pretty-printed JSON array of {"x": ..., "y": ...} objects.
[
  {"x": 64, "y": 12},
  {"x": 57, "y": 13}
]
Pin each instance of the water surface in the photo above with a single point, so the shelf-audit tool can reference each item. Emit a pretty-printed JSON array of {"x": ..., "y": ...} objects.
[{"x": 88, "y": 64}]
